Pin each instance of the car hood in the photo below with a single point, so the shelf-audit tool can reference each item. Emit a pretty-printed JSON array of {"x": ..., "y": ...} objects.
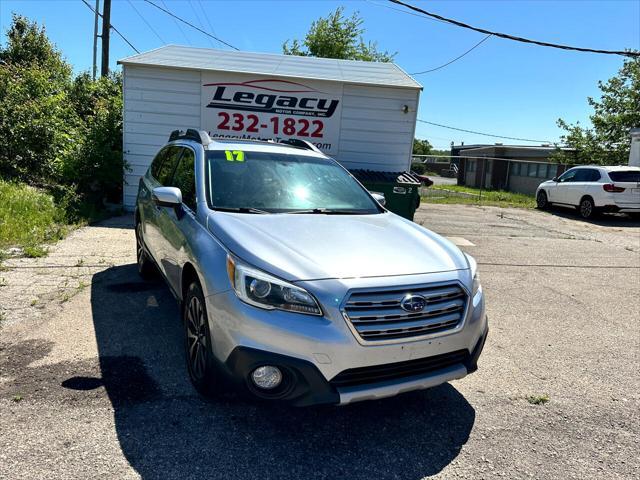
[{"x": 312, "y": 247}]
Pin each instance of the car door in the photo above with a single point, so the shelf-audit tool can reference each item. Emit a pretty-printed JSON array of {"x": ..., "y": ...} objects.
[
  {"x": 179, "y": 225},
  {"x": 146, "y": 208},
  {"x": 577, "y": 186},
  {"x": 558, "y": 193},
  {"x": 155, "y": 219}
]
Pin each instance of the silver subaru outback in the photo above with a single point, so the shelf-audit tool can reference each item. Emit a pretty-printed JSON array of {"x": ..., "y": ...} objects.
[{"x": 295, "y": 283}]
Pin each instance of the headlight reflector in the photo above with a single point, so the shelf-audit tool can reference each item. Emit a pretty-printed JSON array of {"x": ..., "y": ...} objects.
[
  {"x": 473, "y": 266},
  {"x": 263, "y": 290},
  {"x": 476, "y": 284}
]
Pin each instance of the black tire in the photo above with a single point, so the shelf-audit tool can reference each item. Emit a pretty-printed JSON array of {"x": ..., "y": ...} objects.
[
  {"x": 197, "y": 342},
  {"x": 146, "y": 268},
  {"x": 587, "y": 209},
  {"x": 542, "y": 201}
]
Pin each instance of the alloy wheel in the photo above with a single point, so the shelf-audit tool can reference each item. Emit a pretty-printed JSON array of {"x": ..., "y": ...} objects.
[
  {"x": 542, "y": 200},
  {"x": 196, "y": 338},
  {"x": 139, "y": 246},
  {"x": 586, "y": 208}
]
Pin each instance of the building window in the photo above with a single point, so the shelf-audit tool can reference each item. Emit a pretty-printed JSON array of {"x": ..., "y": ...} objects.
[{"x": 471, "y": 165}]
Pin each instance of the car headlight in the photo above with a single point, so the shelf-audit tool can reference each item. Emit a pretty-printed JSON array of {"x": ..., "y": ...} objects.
[
  {"x": 473, "y": 265},
  {"x": 262, "y": 290}
]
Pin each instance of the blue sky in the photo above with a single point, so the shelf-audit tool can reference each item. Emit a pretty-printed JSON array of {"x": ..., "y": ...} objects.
[{"x": 502, "y": 87}]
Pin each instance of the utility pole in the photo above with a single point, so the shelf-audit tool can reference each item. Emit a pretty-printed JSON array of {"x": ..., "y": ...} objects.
[
  {"x": 106, "y": 28},
  {"x": 95, "y": 38}
]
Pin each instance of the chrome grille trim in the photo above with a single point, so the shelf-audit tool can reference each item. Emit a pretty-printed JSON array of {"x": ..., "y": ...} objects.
[{"x": 375, "y": 315}]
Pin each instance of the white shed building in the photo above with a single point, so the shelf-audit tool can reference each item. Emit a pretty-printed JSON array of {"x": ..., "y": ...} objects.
[{"x": 363, "y": 114}]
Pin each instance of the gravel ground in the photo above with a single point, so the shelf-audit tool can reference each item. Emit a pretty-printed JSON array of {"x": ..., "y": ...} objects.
[{"x": 93, "y": 384}]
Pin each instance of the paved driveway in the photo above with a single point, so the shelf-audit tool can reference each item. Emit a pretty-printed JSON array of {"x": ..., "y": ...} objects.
[{"x": 92, "y": 380}]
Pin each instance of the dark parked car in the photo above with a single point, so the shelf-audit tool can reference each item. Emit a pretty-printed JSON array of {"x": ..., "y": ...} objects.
[{"x": 424, "y": 180}]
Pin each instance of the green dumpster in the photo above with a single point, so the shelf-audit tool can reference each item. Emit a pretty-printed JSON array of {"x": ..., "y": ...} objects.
[{"x": 401, "y": 190}]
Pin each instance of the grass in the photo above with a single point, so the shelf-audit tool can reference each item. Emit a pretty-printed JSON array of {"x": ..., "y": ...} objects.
[
  {"x": 449, "y": 194},
  {"x": 29, "y": 218},
  {"x": 538, "y": 399},
  {"x": 34, "y": 251}
]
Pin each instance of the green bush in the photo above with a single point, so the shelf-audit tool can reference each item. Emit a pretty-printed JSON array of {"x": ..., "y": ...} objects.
[
  {"x": 419, "y": 168},
  {"x": 28, "y": 216},
  {"x": 58, "y": 132}
]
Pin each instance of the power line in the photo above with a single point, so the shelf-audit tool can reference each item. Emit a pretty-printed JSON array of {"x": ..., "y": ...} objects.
[
  {"x": 481, "y": 133},
  {"x": 403, "y": 11},
  {"x": 111, "y": 25},
  {"x": 206, "y": 17},
  {"x": 191, "y": 25},
  {"x": 195, "y": 12},
  {"x": 145, "y": 21},
  {"x": 512, "y": 37},
  {"x": 178, "y": 25},
  {"x": 455, "y": 59}
]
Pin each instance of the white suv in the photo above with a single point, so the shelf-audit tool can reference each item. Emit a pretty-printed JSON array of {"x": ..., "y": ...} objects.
[{"x": 593, "y": 189}]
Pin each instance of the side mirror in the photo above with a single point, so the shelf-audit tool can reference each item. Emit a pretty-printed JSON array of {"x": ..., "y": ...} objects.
[
  {"x": 167, "y": 197},
  {"x": 379, "y": 197},
  {"x": 555, "y": 179}
]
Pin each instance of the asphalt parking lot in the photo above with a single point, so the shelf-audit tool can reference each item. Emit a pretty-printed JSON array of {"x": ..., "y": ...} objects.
[{"x": 93, "y": 384}]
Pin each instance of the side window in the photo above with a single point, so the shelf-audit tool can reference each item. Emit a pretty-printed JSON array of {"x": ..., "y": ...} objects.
[
  {"x": 165, "y": 172},
  {"x": 568, "y": 176},
  {"x": 184, "y": 178},
  {"x": 583, "y": 175},
  {"x": 157, "y": 162},
  {"x": 594, "y": 175}
]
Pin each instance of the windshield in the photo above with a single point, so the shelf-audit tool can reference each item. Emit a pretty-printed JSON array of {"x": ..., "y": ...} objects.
[
  {"x": 625, "y": 176},
  {"x": 259, "y": 182}
]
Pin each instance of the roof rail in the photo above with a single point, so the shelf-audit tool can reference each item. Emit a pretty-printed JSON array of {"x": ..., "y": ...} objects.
[
  {"x": 191, "y": 134},
  {"x": 296, "y": 142}
]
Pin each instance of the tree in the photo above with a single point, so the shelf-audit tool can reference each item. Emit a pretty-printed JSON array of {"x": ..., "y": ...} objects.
[
  {"x": 421, "y": 147},
  {"x": 37, "y": 121},
  {"x": 56, "y": 131},
  {"x": 28, "y": 45},
  {"x": 337, "y": 36},
  {"x": 615, "y": 113}
]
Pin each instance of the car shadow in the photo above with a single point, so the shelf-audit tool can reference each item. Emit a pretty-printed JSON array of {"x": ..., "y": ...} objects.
[
  {"x": 602, "y": 219},
  {"x": 166, "y": 430}
]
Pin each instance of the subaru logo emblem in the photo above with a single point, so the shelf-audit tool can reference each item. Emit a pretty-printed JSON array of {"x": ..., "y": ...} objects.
[{"x": 413, "y": 303}]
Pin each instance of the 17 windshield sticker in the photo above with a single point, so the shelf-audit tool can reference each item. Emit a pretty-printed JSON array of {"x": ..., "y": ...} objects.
[{"x": 234, "y": 155}]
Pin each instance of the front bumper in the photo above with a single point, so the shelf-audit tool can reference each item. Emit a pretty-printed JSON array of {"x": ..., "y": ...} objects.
[
  {"x": 304, "y": 385},
  {"x": 315, "y": 351}
]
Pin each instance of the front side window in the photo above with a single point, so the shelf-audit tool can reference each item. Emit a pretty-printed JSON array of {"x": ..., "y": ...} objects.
[
  {"x": 168, "y": 165},
  {"x": 157, "y": 162},
  {"x": 184, "y": 178},
  {"x": 567, "y": 176},
  {"x": 277, "y": 183}
]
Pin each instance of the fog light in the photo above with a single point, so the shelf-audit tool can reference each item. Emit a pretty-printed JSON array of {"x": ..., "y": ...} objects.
[{"x": 267, "y": 377}]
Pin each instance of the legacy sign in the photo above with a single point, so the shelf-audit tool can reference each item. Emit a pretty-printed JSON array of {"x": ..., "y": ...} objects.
[{"x": 243, "y": 106}]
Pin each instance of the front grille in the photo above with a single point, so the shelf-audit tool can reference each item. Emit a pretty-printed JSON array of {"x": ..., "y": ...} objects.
[
  {"x": 378, "y": 315},
  {"x": 392, "y": 371}
]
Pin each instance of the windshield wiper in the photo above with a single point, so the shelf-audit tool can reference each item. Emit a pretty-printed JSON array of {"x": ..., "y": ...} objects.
[
  {"x": 329, "y": 211},
  {"x": 240, "y": 210}
]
